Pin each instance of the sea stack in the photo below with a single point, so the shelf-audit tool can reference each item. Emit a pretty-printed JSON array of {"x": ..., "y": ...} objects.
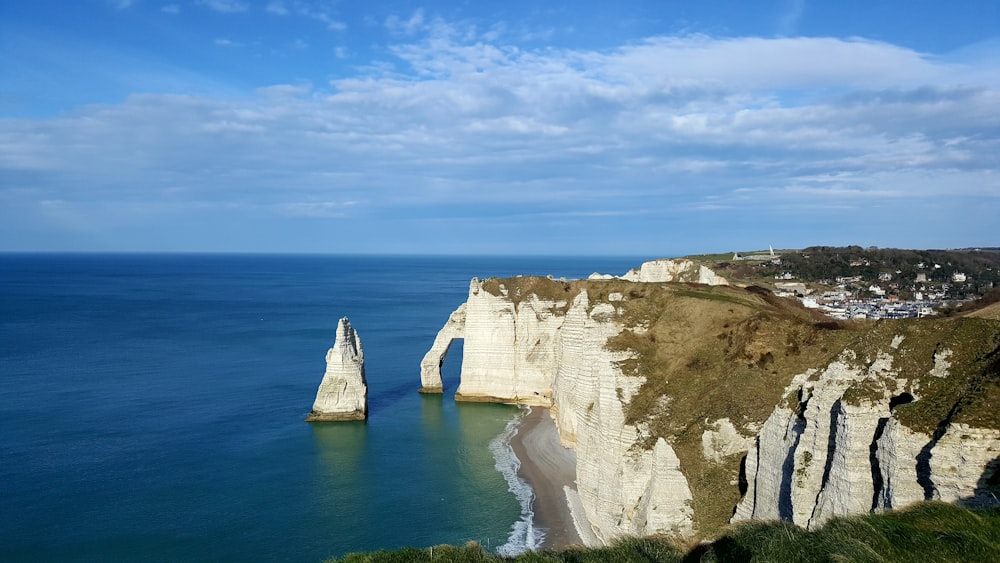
[{"x": 343, "y": 393}]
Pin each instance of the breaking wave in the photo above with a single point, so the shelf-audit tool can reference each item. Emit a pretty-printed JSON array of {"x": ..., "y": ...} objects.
[{"x": 524, "y": 536}]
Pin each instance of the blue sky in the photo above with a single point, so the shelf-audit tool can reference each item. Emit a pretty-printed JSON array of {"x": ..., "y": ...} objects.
[{"x": 650, "y": 128}]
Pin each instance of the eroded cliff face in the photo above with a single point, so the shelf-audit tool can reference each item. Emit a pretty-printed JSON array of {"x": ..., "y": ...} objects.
[
  {"x": 550, "y": 350},
  {"x": 343, "y": 392},
  {"x": 625, "y": 488},
  {"x": 895, "y": 419},
  {"x": 510, "y": 347},
  {"x": 666, "y": 391},
  {"x": 669, "y": 270}
]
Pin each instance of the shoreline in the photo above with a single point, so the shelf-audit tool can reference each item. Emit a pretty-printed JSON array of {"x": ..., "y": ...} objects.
[{"x": 549, "y": 469}]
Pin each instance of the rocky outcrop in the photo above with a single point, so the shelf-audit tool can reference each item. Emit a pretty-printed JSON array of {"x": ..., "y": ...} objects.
[
  {"x": 509, "y": 349},
  {"x": 679, "y": 270},
  {"x": 430, "y": 366},
  {"x": 722, "y": 440},
  {"x": 665, "y": 270},
  {"x": 343, "y": 392}
]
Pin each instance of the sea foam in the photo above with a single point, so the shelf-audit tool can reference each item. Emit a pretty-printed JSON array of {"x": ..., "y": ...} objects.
[{"x": 524, "y": 536}]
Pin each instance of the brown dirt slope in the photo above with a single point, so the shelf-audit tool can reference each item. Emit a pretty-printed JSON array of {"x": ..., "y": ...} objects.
[{"x": 988, "y": 312}]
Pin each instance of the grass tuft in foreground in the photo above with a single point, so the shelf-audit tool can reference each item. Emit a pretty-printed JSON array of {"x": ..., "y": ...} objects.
[{"x": 927, "y": 532}]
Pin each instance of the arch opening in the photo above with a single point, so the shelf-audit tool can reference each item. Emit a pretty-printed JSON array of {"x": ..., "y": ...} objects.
[{"x": 451, "y": 365}]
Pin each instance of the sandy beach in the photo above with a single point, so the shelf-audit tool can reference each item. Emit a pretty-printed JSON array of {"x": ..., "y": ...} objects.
[{"x": 548, "y": 467}]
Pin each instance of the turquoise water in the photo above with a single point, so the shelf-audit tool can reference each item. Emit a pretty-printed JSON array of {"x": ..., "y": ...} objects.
[{"x": 151, "y": 408}]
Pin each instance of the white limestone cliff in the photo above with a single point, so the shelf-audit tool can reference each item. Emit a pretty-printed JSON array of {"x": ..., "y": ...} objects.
[
  {"x": 552, "y": 353},
  {"x": 834, "y": 454},
  {"x": 430, "y": 366},
  {"x": 509, "y": 352},
  {"x": 896, "y": 453},
  {"x": 961, "y": 461},
  {"x": 343, "y": 392},
  {"x": 625, "y": 489},
  {"x": 667, "y": 270},
  {"x": 722, "y": 440},
  {"x": 679, "y": 270}
]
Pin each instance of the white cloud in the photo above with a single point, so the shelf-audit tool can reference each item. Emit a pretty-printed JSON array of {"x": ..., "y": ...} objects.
[
  {"x": 311, "y": 10},
  {"x": 408, "y": 26},
  {"x": 172, "y": 9},
  {"x": 277, "y": 7},
  {"x": 325, "y": 209},
  {"x": 224, "y": 6},
  {"x": 285, "y": 90},
  {"x": 649, "y": 129}
]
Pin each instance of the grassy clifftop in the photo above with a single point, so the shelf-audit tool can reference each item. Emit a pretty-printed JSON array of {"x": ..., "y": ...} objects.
[{"x": 925, "y": 532}]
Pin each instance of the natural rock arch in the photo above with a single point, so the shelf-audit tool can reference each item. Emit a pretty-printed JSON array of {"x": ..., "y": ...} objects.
[{"x": 430, "y": 366}]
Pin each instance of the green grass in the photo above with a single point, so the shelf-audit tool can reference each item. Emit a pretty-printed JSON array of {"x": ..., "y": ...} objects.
[
  {"x": 520, "y": 288},
  {"x": 927, "y": 532},
  {"x": 712, "y": 259},
  {"x": 969, "y": 392},
  {"x": 471, "y": 552}
]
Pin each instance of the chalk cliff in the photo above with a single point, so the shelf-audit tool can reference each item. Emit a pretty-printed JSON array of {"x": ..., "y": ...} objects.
[
  {"x": 668, "y": 270},
  {"x": 684, "y": 402},
  {"x": 527, "y": 335},
  {"x": 624, "y": 489},
  {"x": 343, "y": 392},
  {"x": 509, "y": 347},
  {"x": 891, "y": 421}
]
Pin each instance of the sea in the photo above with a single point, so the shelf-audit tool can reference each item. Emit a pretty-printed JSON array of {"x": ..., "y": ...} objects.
[{"x": 152, "y": 406}]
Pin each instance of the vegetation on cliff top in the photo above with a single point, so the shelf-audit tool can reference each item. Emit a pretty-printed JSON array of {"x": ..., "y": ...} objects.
[
  {"x": 963, "y": 389},
  {"x": 708, "y": 353},
  {"x": 824, "y": 264},
  {"x": 925, "y": 532},
  {"x": 520, "y": 288}
]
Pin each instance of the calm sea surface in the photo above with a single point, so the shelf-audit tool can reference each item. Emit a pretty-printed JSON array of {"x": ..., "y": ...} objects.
[{"x": 151, "y": 408}]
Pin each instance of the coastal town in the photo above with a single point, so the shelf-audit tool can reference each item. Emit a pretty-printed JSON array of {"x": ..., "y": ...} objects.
[{"x": 872, "y": 283}]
